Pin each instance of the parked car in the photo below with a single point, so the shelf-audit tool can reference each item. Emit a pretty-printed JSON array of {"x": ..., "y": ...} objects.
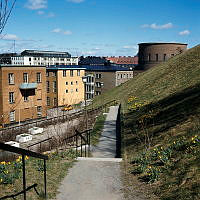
[
  {"x": 67, "y": 108},
  {"x": 35, "y": 130}
]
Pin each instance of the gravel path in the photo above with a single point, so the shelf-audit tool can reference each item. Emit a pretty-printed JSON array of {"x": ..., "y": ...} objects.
[{"x": 96, "y": 179}]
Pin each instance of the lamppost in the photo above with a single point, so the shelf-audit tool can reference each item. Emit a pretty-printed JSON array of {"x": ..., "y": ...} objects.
[{"x": 84, "y": 79}]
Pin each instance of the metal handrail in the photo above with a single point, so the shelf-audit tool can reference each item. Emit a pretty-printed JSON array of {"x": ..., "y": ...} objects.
[{"x": 24, "y": 153}]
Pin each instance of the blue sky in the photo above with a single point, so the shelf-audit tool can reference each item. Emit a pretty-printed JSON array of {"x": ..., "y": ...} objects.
[{"x": 100, "y": 27}]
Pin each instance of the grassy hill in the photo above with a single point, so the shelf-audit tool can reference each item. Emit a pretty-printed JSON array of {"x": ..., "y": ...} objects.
[{"x": 161, "y": 126}]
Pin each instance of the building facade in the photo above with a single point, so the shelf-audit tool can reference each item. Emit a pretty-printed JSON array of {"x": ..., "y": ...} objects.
[
  {"x": 22, "y": 93},
  {"x": 151, "y": 54},
  {"x": 103, "y": 78},
  {"x": 39, "y": 58},
  {"x": 64, "y": 85}
]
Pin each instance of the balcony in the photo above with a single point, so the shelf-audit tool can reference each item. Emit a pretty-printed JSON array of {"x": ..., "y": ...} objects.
[{"x": 28, "y": 86}]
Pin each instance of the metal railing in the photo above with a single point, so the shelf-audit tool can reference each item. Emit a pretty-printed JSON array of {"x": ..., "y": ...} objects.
[
  {"x": 118, "y": 133},
  {"x": 24, "y": 153}
]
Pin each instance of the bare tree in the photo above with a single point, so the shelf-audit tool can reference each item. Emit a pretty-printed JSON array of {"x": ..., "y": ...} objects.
[{"x": 6, "y": 7}]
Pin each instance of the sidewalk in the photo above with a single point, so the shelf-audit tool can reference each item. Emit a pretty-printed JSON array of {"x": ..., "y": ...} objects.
[{"x": 98, "y": 177}]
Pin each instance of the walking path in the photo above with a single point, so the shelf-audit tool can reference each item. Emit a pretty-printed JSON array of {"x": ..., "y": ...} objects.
[{"x": 96, "y": 178}]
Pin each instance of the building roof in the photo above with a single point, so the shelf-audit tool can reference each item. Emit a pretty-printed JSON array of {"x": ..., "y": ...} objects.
[
  {"x": 123, "y": 60},
  {"x": 89, "y": 67},
  {"x": 65, "y": 67},
  {"x": 158, "y": 43},
  {"x": 45, "y": 53},
  {"x": 93, "y": 60},
  {"x": 105, "y": 68}
]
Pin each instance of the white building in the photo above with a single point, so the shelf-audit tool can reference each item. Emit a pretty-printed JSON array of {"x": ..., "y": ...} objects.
[{"x": 34, "y": 57}]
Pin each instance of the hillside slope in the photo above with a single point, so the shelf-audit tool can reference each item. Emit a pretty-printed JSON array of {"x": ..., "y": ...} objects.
[{"x": 161, "y": 125}]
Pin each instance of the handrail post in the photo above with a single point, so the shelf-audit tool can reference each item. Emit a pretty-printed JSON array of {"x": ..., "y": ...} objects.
[
  {"x": 85, "y": 146},
  {"x": 45, "y": 179},
  {"x": 88, "y": 143},
  {"x": 87, "y": 135},
  {"x": 81, "y": 146},
  {"x": 76, "y": 145},
  {"x": 24, "y": 176}
]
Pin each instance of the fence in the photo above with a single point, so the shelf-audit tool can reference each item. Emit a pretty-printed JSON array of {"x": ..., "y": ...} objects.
[
  {"x": 78, "y": 141},
  {"x": 118, "y": 133},
  {"x": 17, "y": 129},
  {"x": 24, "y": 153}
]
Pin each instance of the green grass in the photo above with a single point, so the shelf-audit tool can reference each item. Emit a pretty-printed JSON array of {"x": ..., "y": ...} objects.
[
  {"x": 166, "y": 110},
  {"x": 57, "y": 167},
  {"x": 97, "y": 129}
]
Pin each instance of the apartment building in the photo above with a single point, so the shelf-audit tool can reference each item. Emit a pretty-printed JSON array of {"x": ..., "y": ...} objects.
[
  {"x": 64, "y": 85},
  {"x": 39, "y": 58},
  {"x": 104, "y": 78},
  {"x": 22, "y": 93}
]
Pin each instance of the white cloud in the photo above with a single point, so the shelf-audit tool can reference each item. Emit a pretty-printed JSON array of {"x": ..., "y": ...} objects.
[
  {"x": 59, "y": 30},
  {"x": 76, "y": 1},
  {"x": 9, "y": 37},
  {"x": 56, "y": 30},
  {"x": 185, "y": 32},
  {"x": 155, "y": 26},
  {"x": 67, "y": 32},
  {"x": 130, "y": 47},
  {"x": 36, "y": 4}
]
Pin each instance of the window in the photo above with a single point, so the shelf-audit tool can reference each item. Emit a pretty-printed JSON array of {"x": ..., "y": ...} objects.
[
  {"x": 76, "y": 82},
  {"x": 78, "y": 73},
  {"x": 164, "y": 57},
  {"x": 64, "y": 73},
  {"x": 11, "y": 97},
  {"x": 30, "y": 59},
  {"x": 25, "y": 97},
  {"x": 66, "y": 91},
  {"x": 156, "y": 57},
  {"x": 39, "y": 78},
  {"x": 55, "y": 102},
  {"x": 76, "y": 89},
  {"x": 66, "y": 83},
  {"x": 47, "y": 74},
  {"x": 149, "y": 57},
  {"x": 11, "y": 80},
  {"x": 98, "y": 84},
  {"x": 12, "y": 116},
  {"x": 48, "y": 101},
  {"x": 98, "y": 93},
  {"x": 172, "y": 55},
  {"x": 25, "y": 77},
  {"x": 98, "y": 76},
  {"x": 71, "y": 82},
  {"x": 121, "y": 75},
  {"x": 39, "y": 111},
  {"x": 71, "y": 73},
  {"x": 54, "y": 86},
  {"x": 48, "y": 87},
  {"x": 54, "y": 74}
]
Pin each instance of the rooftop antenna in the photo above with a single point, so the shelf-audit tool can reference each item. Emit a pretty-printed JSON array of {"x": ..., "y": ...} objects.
[{"x": 14, "y": 46}]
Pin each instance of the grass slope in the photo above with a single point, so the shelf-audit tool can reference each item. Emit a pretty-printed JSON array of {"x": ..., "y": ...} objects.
[{"x": 162, "y": 126}]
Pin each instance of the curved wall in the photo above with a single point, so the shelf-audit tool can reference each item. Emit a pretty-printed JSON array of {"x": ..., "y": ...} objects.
[{"x": 151, "y": 54}]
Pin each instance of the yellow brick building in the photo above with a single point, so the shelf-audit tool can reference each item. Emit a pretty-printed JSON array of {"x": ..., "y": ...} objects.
[{"x": 64, "y": 85}]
